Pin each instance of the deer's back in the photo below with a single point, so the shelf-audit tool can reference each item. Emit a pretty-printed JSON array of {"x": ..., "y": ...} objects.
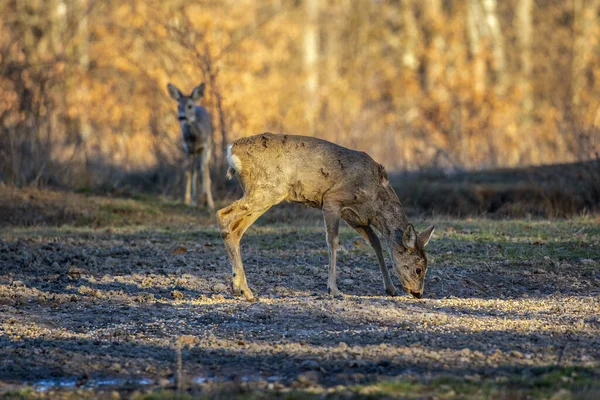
[{"x": 304, "y": 169}]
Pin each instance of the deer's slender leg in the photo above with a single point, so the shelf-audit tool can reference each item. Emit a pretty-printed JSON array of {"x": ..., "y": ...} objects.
[
  {"x": 194, "y": 167},
  {"x": 332, "y": 225},
  {"x": 188, "y": 179},
  {"x": 206, "y": 184},
  {"x": 368, "y": 233},
  {"x": 199, "y": 164},
  {"x": 233, "y": 221}
]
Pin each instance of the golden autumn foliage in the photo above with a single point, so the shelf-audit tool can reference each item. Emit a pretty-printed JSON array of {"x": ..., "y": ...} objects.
[{"x": 435, "y": 83}]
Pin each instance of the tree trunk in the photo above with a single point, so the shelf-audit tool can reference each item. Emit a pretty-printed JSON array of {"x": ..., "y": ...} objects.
[
  {"x": 410, "y": 58},
  {"x": 585, "y": 33},
  {"x": 524, "y": 35},
  {"x": 311, "y": 55},
  {"x": 79, "y": 59},
  {"x": 434, "y": 20},
  {"x": 474, "y": 17},
  {"x": 495, "y": 32}
]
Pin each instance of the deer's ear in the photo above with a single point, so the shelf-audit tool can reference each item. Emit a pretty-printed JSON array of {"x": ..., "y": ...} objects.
[
  {"x": 174, "y": 92},
  {"x": 409, "y": 237},
  {"x": 424, "y": 236},
  {"x": 198, "y": 92}
]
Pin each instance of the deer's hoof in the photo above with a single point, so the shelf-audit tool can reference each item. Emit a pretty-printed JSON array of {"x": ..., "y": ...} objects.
[
  {"x": 246, "y": 293},
  {"x": 391, "y": 291},
  {"x": 335, "y": 293}
]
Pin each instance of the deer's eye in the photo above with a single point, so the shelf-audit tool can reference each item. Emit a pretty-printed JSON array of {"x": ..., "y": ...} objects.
[{"x": 418, "y": 271}]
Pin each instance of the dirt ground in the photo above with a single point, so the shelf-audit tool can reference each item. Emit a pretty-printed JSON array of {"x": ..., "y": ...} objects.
[{"x": 100, "y": 294}]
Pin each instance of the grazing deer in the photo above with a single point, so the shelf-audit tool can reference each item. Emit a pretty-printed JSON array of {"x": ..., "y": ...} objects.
[
  {"x": 197, "y": 132},
  {"x": 344, "y": 184}
]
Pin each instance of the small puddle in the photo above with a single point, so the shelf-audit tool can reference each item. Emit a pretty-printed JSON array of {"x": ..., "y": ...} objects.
[
  {"x": 45, "y": 385},
  {"x": 246, "y": 378}
]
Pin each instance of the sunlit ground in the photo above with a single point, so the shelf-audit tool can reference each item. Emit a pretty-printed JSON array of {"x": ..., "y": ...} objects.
[{"x": 511, "y": 310}]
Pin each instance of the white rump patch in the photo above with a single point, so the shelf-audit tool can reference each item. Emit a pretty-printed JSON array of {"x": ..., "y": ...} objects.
[{"x": 233, "y": 160}]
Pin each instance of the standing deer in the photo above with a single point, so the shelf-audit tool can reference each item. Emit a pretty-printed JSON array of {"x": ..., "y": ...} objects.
[
  {"x": 197, "y": 132},
  {"x": 344, "y": 184}
]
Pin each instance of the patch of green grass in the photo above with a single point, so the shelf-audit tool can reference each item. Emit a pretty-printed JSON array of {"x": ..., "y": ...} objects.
[
  {"x": 230, "y": 395},
  {"x": 118, "y": 213},
  {"x": 26, "y": 392},
  {"x": 85, "y": 190},
  {"x": 517, "y": 240},
  {"x": 543, "y": 383},
  {"x": 149, "y": 211},
  {"x": 125, "y": 207},
  {"x": 164, "y": 395}
]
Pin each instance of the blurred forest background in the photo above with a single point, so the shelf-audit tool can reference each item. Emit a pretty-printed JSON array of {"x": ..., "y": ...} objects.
[{"x": 452, "y": 85}]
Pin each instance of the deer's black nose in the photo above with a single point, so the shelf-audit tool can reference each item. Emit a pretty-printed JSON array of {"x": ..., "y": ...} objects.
[{"x": 417, "y": 294}]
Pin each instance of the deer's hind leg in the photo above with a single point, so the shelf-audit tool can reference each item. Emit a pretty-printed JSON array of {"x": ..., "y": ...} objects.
[
  {"x": 195, "y": 180},
  {"x": 233, "y": 221}
]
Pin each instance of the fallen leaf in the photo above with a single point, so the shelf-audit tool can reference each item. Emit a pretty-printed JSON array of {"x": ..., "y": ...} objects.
[
  {"x": 179, "y": 250},
  {"x": 187, "y": 339}
]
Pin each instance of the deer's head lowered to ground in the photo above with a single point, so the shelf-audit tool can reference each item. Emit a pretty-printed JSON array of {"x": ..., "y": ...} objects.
[{"x": 410, "y": 261}]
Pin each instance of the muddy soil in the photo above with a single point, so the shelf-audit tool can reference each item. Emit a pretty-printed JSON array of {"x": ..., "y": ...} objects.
[{"x": 85, "y": 304}]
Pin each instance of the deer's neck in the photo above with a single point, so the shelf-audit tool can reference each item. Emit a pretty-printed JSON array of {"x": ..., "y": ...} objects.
[{"x": 390, "y": 216}]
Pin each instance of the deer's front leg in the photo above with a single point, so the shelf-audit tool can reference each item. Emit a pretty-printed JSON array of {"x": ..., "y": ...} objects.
[
  {"x": 332, "y": 225},
  {"x": 206, "y": 184},
  {"x": 368, "y": 233},
  {"x": 189, "y": 176}
]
